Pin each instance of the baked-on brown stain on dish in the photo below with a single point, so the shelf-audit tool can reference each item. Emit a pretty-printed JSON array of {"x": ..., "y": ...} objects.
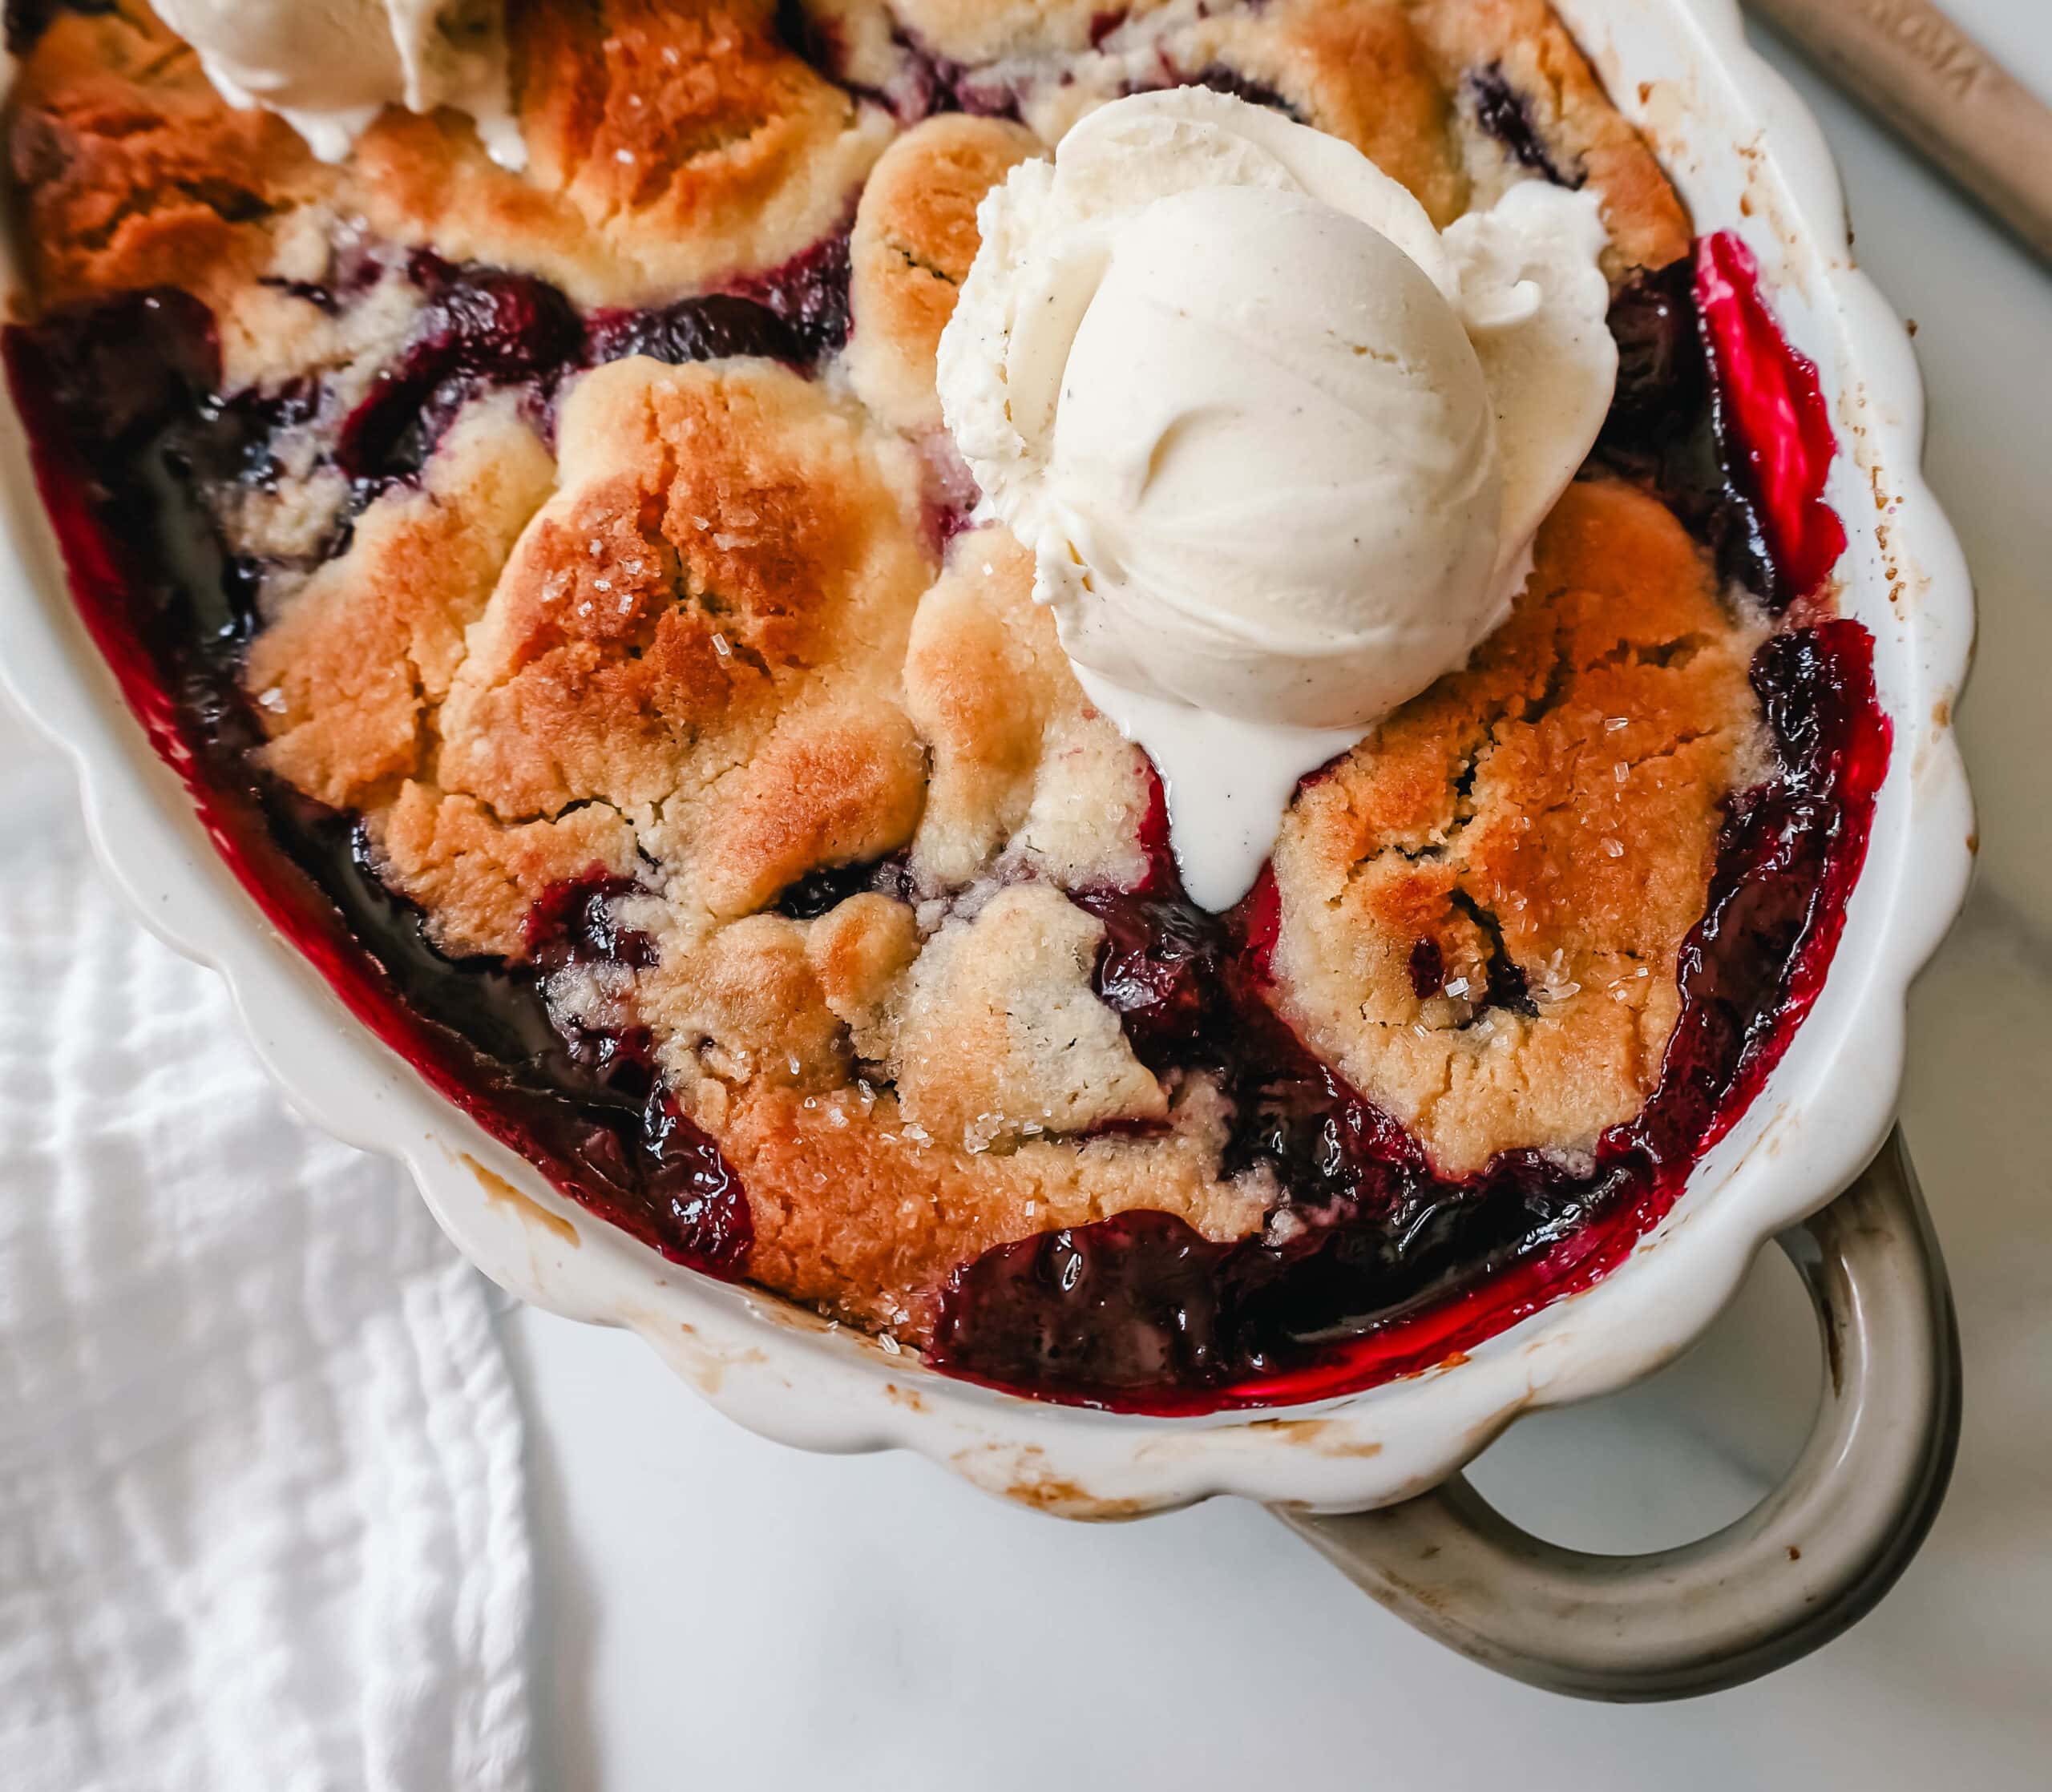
[
  {"x": 705, "y": 1366},
  {"x": 1325, "y": 1437},
  {"x": 1068, "y": 1499},
  {"x": 1057, "y": 1494},
  {"x": 497, "y": 1190}
]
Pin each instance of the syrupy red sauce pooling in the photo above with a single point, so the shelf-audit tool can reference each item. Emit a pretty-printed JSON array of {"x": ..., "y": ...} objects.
[
  {"x": 120, "y": 407},
  {"x": 1781, "y": 422},
  {"x": 1378, "y": 1275},
  {"x": 1383, "y": 1267},
  {"x": 1380, "y": 1267}
]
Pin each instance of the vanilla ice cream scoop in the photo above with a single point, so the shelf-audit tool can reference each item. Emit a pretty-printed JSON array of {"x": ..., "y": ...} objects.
[
  {"x": 1278, "y": 446},
  {"x": 328, "y": 67}
]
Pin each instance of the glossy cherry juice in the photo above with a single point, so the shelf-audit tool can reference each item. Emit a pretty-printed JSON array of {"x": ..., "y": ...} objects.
[{"x": 1386, "y": 1268}]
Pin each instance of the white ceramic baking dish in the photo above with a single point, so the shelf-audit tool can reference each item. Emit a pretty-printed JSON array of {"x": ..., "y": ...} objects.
[{"x": 1747, "y": 157}]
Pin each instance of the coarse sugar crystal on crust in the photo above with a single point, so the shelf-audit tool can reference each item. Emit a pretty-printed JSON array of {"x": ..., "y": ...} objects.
[
  {"x": 1538, "y": 830},
  {"x": 705, "y": 629},
  {"x": 669, "y": 145}
]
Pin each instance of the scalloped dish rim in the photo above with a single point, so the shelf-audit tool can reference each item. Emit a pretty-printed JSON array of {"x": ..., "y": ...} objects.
[{"x": 1747, "y": 155}]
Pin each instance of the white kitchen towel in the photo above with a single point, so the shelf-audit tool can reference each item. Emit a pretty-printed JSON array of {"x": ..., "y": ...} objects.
[{"x": 261, "y": 1501}]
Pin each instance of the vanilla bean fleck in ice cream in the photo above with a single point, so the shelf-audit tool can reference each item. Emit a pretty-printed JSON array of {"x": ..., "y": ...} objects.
[{"x": 1279, "y": 446}]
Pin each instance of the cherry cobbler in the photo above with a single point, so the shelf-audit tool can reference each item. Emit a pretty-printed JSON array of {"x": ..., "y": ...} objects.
[{"x": 560, "y": 593}]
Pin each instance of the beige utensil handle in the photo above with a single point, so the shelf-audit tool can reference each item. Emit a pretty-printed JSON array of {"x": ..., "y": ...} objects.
[
  {"x": 1808, "y": 1561},
  {"x": 1908, "y": 63}
]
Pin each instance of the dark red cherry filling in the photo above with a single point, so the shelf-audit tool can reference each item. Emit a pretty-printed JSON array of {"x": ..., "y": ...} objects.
[
  {"x": 483, "y": 329},
  {"x": 1428, "y": 969},
  {"x": 1501, "y": 111},
  {"x": 1719, "y": 414},
  {"x": 1140, "y": 1312},
  {"x": 476, "y": 328},
  {"x": 577, "y": 922},
  {"x": 26, "y": 20},
  {"x": 1667, "y": 428},
  {"x": 1779, "y": 428},
  {"x": 809, "y": 295},
  {"x": 1370, "y": 1265},
  {"x": 707, "y": 328},
  {"x": 1221, "y": 78},
  {"x": 830, "y": 885},
  {"x": 117, "y": 406}
]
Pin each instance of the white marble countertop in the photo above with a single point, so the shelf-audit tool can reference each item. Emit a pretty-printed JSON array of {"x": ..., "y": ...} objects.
[{"x": 718, "y": 1612}]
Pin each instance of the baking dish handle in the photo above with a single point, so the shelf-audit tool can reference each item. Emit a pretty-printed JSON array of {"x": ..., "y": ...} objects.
[{"x": 1805, "y": 1564}]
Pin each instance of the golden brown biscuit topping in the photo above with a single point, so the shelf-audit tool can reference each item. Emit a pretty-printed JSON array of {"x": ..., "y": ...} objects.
[{"x": 697, "y": 626}]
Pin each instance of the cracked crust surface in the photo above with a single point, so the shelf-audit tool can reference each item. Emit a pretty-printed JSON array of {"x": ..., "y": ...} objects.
[
  {"x": 672, "y": 143},
  {"x": 1544, "y": 822},
  {"x": 675, "y": 143},
  {"x": 689, "y": 626},
  {"x": 1398, "y": 78},
  {"x": 1023, "y": 777},
  {"x": 914, "y": 237},
  {"x": 132, "y": 173}
]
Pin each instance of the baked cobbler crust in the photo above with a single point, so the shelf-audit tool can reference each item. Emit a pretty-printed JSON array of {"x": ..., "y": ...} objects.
[
  {"x": 130, "y": 172},
  {"x": 669, "y": 146},
  {"x": 1397, "y": 78},
  {"x": 914, "y": 237},
  {"x": 1553, "y": 809},
  {"x": 707, "y": 631}
]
